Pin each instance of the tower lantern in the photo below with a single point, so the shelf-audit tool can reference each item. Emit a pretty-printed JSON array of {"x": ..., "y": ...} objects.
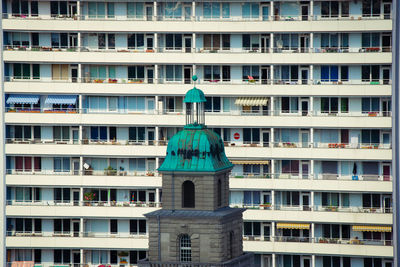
[{"x": 194, "y": 100}]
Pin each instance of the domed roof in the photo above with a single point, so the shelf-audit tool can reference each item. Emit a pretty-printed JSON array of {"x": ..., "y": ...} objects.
[
  {"x": 195, "y": 149},
  {"x": 194, "y": 96}
]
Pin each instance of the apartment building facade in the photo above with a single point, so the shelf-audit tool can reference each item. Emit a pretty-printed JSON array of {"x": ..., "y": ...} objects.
[{"x": 299, "y": 91}]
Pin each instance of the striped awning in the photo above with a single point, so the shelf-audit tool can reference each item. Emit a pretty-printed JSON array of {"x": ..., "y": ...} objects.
[
  {"x": 251, "y": 101},
  {"x": 248, "y": 162},
  {"x": 23, "y": 99},
  {"x": 61, "y": 99},
  {"x": 371, "y": 228},
  {"x": 293, "y": 226}
]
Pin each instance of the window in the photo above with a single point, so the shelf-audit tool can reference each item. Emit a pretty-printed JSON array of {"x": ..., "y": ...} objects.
[
  {"x": 23, "y": 194},
  {"x": 251, "y": 135},
  {"x": 60, "y": 71},
  {"x": 329, "y": 104},
  {"x": 330, "y": 73},
  {"x": 114, "y": 226},
  {"x": 250, "y": 73},
  {"x": 19, "y": 38},
  {"x": 23, "y": 254},
  {"x": 329, "y": 261},
  {"x": 25, "y": 163},
  {"x": 286, "y": 41},
  {"x": 137, "y": 227},
  {"x": 213, "y": 10},
  {"x": 58, "y": 8},
  {"x": 216, "y": 41},
  {"x": 188, "y": 194},
  {"x": 371, "y": 8},
  {"x": 185, "y": 248},
  {"x": 137, "y": 134},
  {"x": 370, "y": 137},
  {"x": 371, "y": 201},
  {"x": 62, "y": 226},
  {"x": 135, "y": 10},
  {"x": 173, "y": 72},
  {"x": 290, "y": 167},
  {"x": 373, "y": 262},
  {"x": 37, "y": 256},
  {"x": 287, "y": 74},
  {"x": 251, "y": 229},
  {"x": 26, "y": 225},
  {"x": 370, "y": 40},
  {"x": 213, "y": 104},
  {"x": 61, "y": 133},
  {"x": 370, "y": 73},
  {"x": 173, "y": 10},
  {"x": 134, "y": 256},
  {"x": 332, "y": 9},
  {"x": 21, "y": 132},
  {"x": 250, "y": 41},
  {"x": 173, "y": 41},
  {"x": 136, "y": 73},
  {"x": 334, "y": 40},
  {"x": 290, "y": 198},
  {"x": 62, "y": 195},
  {"x": 330, "y": 199},
  {"x": 59, "y": 40},
  {"x": 250, "y": 10},
  {"x": 136, "y": 104},
  {"x": 289, "y": 104},
  {"x": 102, "y": 72},
  {"x": 99, "y": 257},
  {"x": 61, "y": 164},
  {"x": 213, "y": 73},
  {"x": 24, "y": 71},
  {"x": 370, "y": 104},
  {"x": 98, "y": 10},
  {"x": 251, "y": 198},
  {"x": 136, "y": 41}
]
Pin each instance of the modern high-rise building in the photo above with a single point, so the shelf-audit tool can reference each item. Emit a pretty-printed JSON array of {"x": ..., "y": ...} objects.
[{"x": 299, "y": 91}]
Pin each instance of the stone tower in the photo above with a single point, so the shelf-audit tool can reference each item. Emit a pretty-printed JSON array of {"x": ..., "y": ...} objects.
[{"x": 196, "y": 225}]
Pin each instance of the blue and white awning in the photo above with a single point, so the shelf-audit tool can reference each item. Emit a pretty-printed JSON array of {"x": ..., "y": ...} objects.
[
  {"x": 61, "y": 99},
  {"x": 23, "y": 99}
]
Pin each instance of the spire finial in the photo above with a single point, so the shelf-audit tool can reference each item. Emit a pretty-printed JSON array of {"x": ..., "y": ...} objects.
[{"x": 194, "y": 78}]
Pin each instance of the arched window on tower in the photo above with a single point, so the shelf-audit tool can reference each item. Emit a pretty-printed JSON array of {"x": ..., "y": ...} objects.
[
  {"x": 230, "y": 245},
  {"x": 219, "y": 193},
  {"x": 185, "y": 248},
  {"x": 188, "y": 194}
]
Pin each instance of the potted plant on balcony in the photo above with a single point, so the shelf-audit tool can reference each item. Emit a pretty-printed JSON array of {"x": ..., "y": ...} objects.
[
  {"x": 110, "y": 171},
  {"x": 89, "y": 197},
  {"x": 266, "y": 206}
]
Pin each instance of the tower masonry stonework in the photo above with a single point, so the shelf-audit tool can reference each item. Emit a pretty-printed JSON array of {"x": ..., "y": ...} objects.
[{"x": 196, "y": 226}]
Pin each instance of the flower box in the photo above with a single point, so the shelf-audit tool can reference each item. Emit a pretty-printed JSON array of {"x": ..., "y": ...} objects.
[
  {"x": 112, "y": 80},
  {"x": 150, "y": 51},
  {"x": 372, "y": 114}
]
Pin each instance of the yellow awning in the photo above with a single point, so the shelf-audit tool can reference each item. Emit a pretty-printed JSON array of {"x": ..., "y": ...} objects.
[
  {"x": 293, "y": 226},
  {"x": 258, "y": 162},
  {"x": 251, "y": 101},
  {"x": 371, "y": 228}
]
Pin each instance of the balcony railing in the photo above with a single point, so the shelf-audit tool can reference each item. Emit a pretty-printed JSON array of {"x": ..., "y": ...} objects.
[
  {"x": 141, "y": 204},
  {"x": 316, "y": 208},
  {"x": 76, "y": 234},
  {"x": 232, "y": 18},
  {"x": 211, "y": 81}
]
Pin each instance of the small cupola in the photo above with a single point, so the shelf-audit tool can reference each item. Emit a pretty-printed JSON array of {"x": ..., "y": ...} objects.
[{"x": 195, "y": 100}]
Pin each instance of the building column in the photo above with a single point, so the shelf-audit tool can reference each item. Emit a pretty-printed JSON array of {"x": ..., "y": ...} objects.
[
  {"x": 79, "y": 41},
  {"x": 272, "y": 169},
  {"x": 312, "y": 137},
  {"x": 311, "y": 11},
  {"x": 313, "y": 260},
  {"x": 80, "y": 134},
  {"x": 78, "y": 9},
  {"x": 157, "y": 134},
  {"x": 312, "y": 232},
  {"x": 272, "y": 76},
  {"x": 273, "y": 255},
  {"x": 194, "y": 10},
  {"x": 311, "y": 76},
  {"x": 80, "y": 195},
  {"x": 157, "y": 199},
  {"x": 271, "y": 10},
  {"x": 193, "y": 43},
  {"x": 311, "y": 42},
  {"x": 312, "y": 174},
  {"x": 194, "y": 70},
  {"x": 80, "y": 79},
  {"x": 156, "y": 75},
  {"x": 272, "y": 232},
  {"x": 271, "y": 42},
  {"x": 156, "y": 42},
  {"x": 81, "y": 256},
  {"x": 155, "y": 10},
  {"x": 273, "y": 199},
  {"x": 311, "y": 105},
  {"x": 157, "y": 162},
  {"x": 272, "y": 108},
  {"x": 272, "y": 134},
  {"x": 81, "y": 166},
  {"x": 81, "y": 230},
  {"x": 312, "y": 200}
]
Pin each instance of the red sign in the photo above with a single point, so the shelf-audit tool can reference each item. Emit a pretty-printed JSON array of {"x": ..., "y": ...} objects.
[{"x": 236, "y": 136}]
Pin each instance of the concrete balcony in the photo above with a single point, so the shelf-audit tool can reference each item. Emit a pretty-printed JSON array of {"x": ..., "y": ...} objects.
[
  {"x": 318, "y": 248},
  {"x": 199, "y": 58},
  {"x": 199, "y": 25},
  {"x": 213, "y": 120},
  {"x": 250, "y": 152},
  {"x": 231, "y": 88}
]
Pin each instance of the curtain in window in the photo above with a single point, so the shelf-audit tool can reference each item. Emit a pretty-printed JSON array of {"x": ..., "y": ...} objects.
[
  {"x": 329, "y": 167},
  {"x": 92, "y": 6},
  {"x": 247, "y": 197},
  {"x": 334, "y": 73},
  {"x": 246, "y": 10},
  {"x": 324, "y": 73},
  {"x": 226, "y": 10}
]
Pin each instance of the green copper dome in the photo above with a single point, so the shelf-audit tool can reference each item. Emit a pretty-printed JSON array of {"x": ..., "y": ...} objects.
[
  {"x": 194, "y": 96},
  {"x": 195, "y": 149}
]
